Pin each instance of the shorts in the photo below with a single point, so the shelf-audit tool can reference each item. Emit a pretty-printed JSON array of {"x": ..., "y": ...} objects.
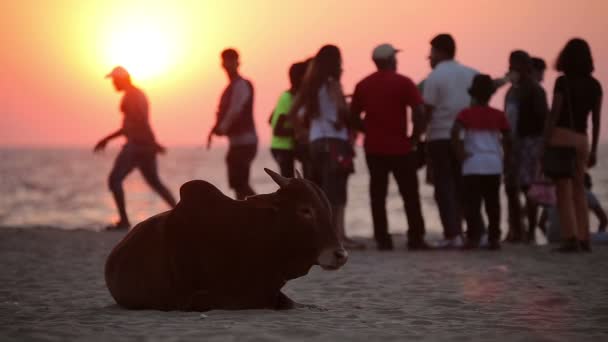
[
  {"x": 238, "y": 160},
  {"x": 134, "y": 156}
]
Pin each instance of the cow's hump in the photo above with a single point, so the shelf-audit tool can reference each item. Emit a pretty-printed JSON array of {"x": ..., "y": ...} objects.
[{"x": 200, "y": 192}]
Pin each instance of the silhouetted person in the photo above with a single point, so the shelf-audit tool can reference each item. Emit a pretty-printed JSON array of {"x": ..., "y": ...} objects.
[
  {"x": 235, "y": 120},
  {"x": 446, "y": 94},
  {"x": 384, "y": 96},
  {"x": 282, "y": 145},
  {"x": 576, "y": 95},
  {"x": 526, "y": 107},
  {"x": 486, "y": 140},
  {"x": 323, "y": 105},
  {"x": 139, "y": 151},
  {"x": 538, "y": 69}
]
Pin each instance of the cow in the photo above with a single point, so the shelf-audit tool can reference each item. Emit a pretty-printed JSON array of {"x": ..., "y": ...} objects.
[{"x": 212, "y": 252}]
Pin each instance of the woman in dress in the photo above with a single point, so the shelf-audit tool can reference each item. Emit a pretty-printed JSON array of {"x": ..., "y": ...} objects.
[{"x": 576, "y": 95}]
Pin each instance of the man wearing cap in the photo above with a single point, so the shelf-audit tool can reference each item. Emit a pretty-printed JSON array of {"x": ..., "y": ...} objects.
[
  {"x": 235, "y": 120},
  {"x": 446, "y": 94},
  {"x": 139, "y": 151},
  {"x": 384, "y": 97}
]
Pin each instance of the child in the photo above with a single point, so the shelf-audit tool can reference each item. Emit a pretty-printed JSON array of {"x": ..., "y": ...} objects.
[
  {"x": 486, "y": 134},
  {"x": 282, "y": 144}
]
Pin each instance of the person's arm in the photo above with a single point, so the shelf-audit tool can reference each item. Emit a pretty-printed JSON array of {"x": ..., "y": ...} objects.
[
  {"x": 283, "y": 128},
  {"x": 415, "y": 101},
  {"x": 101, "y": 145},
  {"x": 282, "y": 125},
  {"x": 507, "y": 144},
  {"x": 457, "y": 143},
  {"x": 430, "y": 94},
  {"x": 419, "y": 120},
  {"x": 556, "y": 109},
  {"x": 596, "y": 123},
  {"x": 541, "y": 106},
  {"x": 240, "y": 95},
  {"x": 356, "y": 111}
]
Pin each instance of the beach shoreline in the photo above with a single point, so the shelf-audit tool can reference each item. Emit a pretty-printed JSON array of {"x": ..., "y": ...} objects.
[{"x": 53, "y": 289}]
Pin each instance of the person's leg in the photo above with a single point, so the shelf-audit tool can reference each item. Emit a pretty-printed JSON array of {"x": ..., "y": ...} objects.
[
  {"x": 341, "y": 183},
  {"x": 405, "y": 173},
  {"x": 565, "y": 206},
  {"x": 303, "y": 155},
  {"x": 579, "y": 192},
  {"x": 285, "y": 160},
  {"x": 239, "y": 161},
  {"x": 443, "y": 177},
  {"x": 532, "y": 216},
  {"x": 473, "y": 198},
  {"x": 491, "y": 198},
  {"x": 515, "y": 231},
  {"x": 123, "y": 165},
  {"x": 596, "y": 208},
  {"x": 149, "y": 170},
  {"x": 378, "y": 188},
  {"x": 542, "y": 222}
]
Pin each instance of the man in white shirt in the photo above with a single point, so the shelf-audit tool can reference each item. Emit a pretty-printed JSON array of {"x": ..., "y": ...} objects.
[
  {"x": 235, "y": 120},
  {"x": 446, "y": 94}
]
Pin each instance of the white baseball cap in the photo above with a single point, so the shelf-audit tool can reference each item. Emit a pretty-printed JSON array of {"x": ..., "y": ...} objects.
[
  {"x": 118, "y": 72},
  {"x": 384, "y": 51}
]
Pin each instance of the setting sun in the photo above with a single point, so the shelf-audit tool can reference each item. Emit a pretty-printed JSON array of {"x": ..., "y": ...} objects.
[{"x": 148, "y": 46}]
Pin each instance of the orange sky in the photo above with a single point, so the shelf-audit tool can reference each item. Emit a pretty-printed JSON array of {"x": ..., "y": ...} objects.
[{"x": 56, "y": 52}]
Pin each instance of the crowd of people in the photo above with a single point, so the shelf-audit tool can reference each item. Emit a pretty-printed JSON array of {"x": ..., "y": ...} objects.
[{"x": 469, "y": 148}]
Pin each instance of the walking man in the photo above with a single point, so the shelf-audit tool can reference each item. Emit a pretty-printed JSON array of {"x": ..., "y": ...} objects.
[{"x": 140, "y": 150}]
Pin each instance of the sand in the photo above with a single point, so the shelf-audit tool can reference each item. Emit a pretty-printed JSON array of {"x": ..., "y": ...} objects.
[{"x": 52, "y": 288}]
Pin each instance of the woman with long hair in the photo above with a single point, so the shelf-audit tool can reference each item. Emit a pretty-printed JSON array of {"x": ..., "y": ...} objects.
[
  {"x": 322, "y": 110},
  {"x": 577, "y": 93}
]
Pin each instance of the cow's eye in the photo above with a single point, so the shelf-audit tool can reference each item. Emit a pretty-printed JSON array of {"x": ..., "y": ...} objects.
[{"x": 306, "y": 212}]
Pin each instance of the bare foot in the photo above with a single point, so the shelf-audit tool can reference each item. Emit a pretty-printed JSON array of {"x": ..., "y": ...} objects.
[{"x": 121, "y": 225}]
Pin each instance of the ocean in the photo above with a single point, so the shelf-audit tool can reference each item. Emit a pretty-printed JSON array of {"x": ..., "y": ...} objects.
[{"x": 67, "y": 188}]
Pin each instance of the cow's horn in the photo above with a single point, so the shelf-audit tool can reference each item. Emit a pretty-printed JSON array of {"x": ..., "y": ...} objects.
[
  {"x": 298, "y": 174},
  {"x": 280, "y": 180}
]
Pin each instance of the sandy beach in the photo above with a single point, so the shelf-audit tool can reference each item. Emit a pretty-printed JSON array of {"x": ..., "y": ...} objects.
[{"x": 53, "y": 289}]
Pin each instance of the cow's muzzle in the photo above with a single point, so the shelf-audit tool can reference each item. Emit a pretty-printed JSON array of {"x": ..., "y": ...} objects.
[{"x": 332, "y": 258}]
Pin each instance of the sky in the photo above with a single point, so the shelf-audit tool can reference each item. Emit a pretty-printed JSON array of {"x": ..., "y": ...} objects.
[{"x": 55, "y": 54}]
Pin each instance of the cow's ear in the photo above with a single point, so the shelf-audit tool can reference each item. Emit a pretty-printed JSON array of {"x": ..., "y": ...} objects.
[
  {"x": 264, "y": 201},
  {"x": 277, "y": 178}
]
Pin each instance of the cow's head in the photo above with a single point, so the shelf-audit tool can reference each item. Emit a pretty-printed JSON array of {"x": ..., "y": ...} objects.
[{"x": 305, "y": 220}]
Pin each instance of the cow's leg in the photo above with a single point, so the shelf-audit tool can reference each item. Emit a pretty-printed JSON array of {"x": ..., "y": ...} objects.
[{"x": 284, "y": 303}]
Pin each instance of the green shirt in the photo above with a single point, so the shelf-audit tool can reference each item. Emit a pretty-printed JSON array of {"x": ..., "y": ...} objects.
[{"x": 282, "y": 108}]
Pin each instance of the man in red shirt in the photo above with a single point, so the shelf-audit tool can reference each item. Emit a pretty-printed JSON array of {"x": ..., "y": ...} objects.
[{"x": 384, "y": 97}]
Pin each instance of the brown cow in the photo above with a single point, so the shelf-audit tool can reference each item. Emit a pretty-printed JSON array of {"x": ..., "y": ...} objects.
[{"x": 212, "y": 252}]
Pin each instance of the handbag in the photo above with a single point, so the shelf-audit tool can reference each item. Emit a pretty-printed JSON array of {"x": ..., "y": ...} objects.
[
  {"x": 542, "y": 192},
  {"x": 560, "y": 161}
]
